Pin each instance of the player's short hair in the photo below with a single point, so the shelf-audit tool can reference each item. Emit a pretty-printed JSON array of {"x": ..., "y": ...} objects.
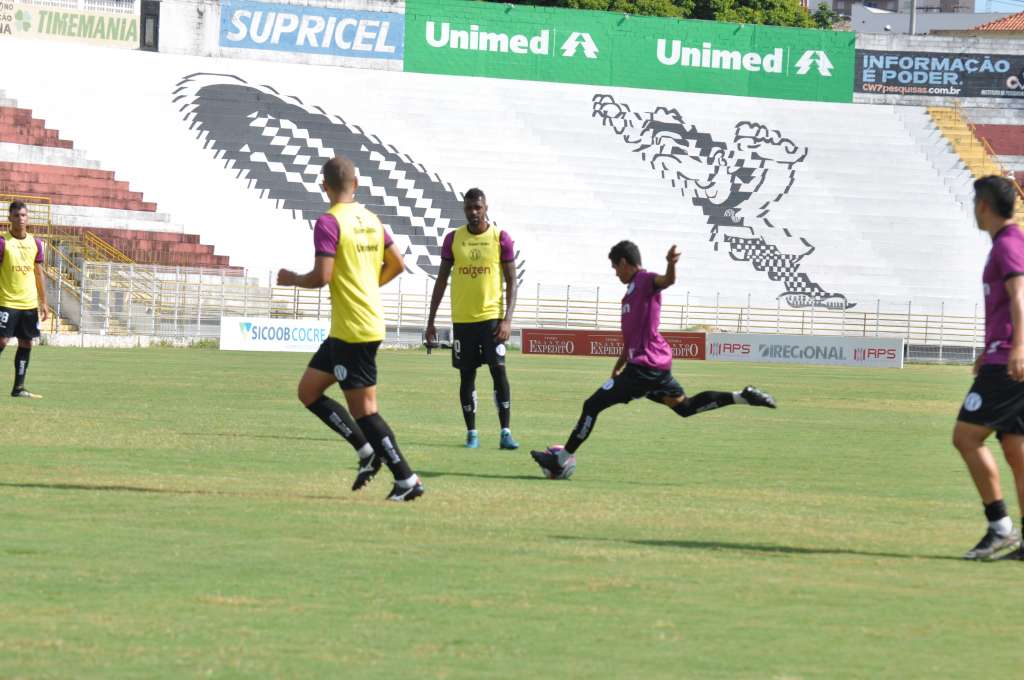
[
  {"x": 339, "y": 174},
  {"x": 16, "y": 206},
  {"x": 475, "y": 194},
  {"x": 998, "y": 193},
  {"x": 625, "y": 250}
]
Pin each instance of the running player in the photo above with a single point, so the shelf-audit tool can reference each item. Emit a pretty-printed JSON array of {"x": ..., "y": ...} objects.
[
  {"x": 644, "y": 367},
  {"x": 22, "y": 293},
  {"x": 478, "y": 256},
  {"x": 356, "y": 257},
  {"x": 995, "y": 402}
]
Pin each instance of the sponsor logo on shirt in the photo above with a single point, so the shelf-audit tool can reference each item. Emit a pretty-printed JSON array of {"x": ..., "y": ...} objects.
[{"x": 474, "y": 271}]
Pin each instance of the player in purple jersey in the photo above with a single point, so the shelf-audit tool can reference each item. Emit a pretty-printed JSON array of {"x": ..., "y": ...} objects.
[
  {"x": 644, "y": 367},
  {"x": 995, "y": 402}
]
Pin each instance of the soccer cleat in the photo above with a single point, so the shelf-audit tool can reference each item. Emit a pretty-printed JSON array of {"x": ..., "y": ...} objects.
[
  {"x": 756, "y": 397},
  {"x": 25, "y": 394},
  {"x": 991, "y": 543},
  {"x": 401, "y": 494},
  {"x": 555, "y": 462},
  {"x": 506, "y": 441},
  {"x": 1013, "y": 555},
  {"x": 472, "y": 440},
  {"x": 368, "y": 468}
]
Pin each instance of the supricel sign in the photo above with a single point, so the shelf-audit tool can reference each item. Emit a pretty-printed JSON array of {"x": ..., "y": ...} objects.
[
  {"x": 257, "y": 334},
  {"x": 938, "y": 74},
  {"x": 806, "y": 349},
  {"x": 602, "y": 48},
  {"x": 65, "y": 23},
  {"x": 603, "y": 343},
  {"x": 314, "y": 30}
]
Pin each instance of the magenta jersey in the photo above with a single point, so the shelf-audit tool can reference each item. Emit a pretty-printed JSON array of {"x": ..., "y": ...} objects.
[
  {"x": 1005, "y": 261},
  {"x": 641, "y": 315}
]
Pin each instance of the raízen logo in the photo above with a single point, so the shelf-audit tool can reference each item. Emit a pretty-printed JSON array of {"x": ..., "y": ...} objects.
[{"x": 811, "y": 58}]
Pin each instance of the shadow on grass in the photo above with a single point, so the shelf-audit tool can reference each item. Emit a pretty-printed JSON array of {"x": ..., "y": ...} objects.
[
  {"x": 763, "y": 548},
  {"x": 60, "y": 486},
  {"x": 478, "y": 475},
  {"x": 249, "y": 435}
]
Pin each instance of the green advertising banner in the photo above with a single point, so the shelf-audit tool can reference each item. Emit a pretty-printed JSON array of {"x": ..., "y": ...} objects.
[{"x": 493, "y": 40}]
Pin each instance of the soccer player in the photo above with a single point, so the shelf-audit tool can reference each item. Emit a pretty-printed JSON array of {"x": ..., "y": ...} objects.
[
  {"x": 22, "y": 293},
  {"x": 644, "y": 367},
  {"x": 995, "y": 402},
  {"x": 355, "y": 256},
  {"x": 478, "y": 256}
]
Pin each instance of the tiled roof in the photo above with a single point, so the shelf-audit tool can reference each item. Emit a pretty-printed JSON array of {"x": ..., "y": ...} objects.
[{"x": 1014, "y": 22}]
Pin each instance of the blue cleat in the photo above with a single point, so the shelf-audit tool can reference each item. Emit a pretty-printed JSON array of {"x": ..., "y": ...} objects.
[
  {"x": 472, "y": 440},
  {"x": 506, "y": 440}
]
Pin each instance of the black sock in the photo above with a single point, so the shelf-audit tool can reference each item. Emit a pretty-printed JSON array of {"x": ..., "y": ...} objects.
[
  {"x": 21, "y": 367},
  {"x": 705, "y": 401},
  {"x": 338, "y": 419},
  {"x": 995, "y": 511},
  {"x": 382, "y": 439},
  {"x": 502, "y": 395},
  {"x": 467, "y": 396}
]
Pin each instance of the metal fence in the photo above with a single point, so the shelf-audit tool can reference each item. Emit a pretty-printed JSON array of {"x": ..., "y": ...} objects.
[{"x": 182, "y": 302}]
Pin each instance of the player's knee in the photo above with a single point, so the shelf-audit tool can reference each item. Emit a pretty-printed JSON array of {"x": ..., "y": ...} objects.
[
  {"x": 594, "y": 404},
  {"x": 306, "y": 395},
  {"x": 965, "y": 440}
]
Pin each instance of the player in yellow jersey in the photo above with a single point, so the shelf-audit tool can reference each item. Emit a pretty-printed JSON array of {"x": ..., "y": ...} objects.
[
  {"x": 355, "y": 256},
  {"x": 478, "y": 257},
  {"x": 22, "y": 293}
]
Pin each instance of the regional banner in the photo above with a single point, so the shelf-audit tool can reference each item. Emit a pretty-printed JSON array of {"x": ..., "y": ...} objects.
[
  {"x": 260, "y": 334},
  {"x": 312, "y": 30},
  {"x": 71, "y": 21},
  {"x": 829, "y": 350},
  {"x": 603, "y": 343},
  {"x": 938, "y": 74},
  {"x": 455, "y": 37}
]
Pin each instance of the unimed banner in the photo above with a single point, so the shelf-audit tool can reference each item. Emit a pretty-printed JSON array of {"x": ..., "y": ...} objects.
[
  {"x": 50, "y": 21},
  {"x": 932, "y": 74},
  {"x": 603, "y": 48},
  {"x": 806, "y": 349},
  {"x": 314, "y": 30},
  {"x": 257, "y": 334},
  {"x": 603, "y": 343}
]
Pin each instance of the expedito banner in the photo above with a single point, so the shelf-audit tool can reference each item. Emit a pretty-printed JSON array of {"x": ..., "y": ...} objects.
[
  {"x": 495, "y": 40},
  {"x": 256, "y": 334},
  {"x": 806, "y": 349},
  {"x": 315, "y": 30},
  {"x": 50, "y": 22},
  {"x": 603, "y": 343},
  {"x": 933, "y": 74}
]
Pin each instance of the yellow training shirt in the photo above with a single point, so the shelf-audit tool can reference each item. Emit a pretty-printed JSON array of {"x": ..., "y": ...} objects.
[
  {"x": 476, "y": 272},
  {"x": 18, "y": 258}
]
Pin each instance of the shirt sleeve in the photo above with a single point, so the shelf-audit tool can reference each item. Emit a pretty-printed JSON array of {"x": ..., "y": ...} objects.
[
  {"x": 646, "y": 283},
  {"x": 446, "y": 247},
  {"x": 39, "y": 251},
  {"x": 1010, "y": 259},
  {"x": 3, "y": 246},
  {"x": 508, "y": 248},
  {"x": 325, "y": 236},
  {"x": 388, "y": 241}
]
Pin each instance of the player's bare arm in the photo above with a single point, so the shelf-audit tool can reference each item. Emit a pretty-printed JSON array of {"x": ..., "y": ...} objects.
[
  {"x": 1015, "y": 363},
  {"x": 620, "y": 363},
  {"x": 394, "y": 264},
  {"x": 440, "y": 284},
  {"x": 44, "y": 309},
  {"x": 504, "y": 329},
  {"x": 667, "y": 279},
  {"x": 318, "y": 277}
]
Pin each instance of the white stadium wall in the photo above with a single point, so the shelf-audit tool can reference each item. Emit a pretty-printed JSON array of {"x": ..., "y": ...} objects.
[{"x": 771, "y": 202}]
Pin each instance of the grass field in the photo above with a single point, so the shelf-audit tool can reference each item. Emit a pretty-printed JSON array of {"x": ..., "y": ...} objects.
[{"x": 176, "y": 513}]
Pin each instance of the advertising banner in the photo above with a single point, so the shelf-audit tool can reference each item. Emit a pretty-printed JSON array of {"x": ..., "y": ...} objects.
[
  {"x": 603, "y": 343},
  {"x": 933, "y": 74},
  {"x": 602, "y": 48},
  {"x": 67, "y": 23},
  {"x": 315, "y": 30},
  {"x": 256, "y": 334},
  {"x": 806, "y": 349}
]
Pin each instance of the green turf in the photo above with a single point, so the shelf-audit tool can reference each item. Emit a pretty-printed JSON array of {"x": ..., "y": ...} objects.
[{"x": 176, "y": 513}]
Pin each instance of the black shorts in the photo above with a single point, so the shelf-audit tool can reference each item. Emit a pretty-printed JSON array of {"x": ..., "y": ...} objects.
[
  {"x": 995, "y": 400},
  {"x": 637, "y": 381},
  {"x": 354, "y": 364},
  {"x": 19, "y": 323},
  {"x": 474, "y": 345}
]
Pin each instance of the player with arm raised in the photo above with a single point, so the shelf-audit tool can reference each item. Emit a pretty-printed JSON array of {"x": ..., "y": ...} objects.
[
  {"x": 355, "y": 256},
  {"x": 22, "y": 293},
  {"x": 479, "y": 257},
  {"x": 644, "y": 367}
]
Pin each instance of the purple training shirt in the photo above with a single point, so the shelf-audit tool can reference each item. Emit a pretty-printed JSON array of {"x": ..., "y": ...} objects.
[
  {"x": 641, "y": 314},
  {"x": 326, "y": 233},
  {"x": 1005, "y": 261}
]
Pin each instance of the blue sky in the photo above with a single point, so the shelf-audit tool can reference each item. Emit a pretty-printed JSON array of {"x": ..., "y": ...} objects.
[{"x": 999, "y": 5}]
